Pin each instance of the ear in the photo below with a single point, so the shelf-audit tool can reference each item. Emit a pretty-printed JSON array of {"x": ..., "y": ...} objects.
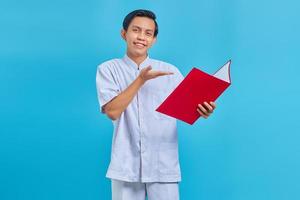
[
  {"x": 123, "y": 34},
  {"x": 154, "y": 40}
]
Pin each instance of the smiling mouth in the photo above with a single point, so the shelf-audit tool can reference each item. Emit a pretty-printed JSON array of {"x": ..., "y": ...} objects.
[{"x": 140, "y": 45}]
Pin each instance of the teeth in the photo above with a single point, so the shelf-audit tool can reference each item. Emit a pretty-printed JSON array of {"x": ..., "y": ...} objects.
[{"x": 139, "y": 44}]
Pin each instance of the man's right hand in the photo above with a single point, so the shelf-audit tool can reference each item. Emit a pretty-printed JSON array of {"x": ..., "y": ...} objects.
[
  {"x": 116, "y": 106},
  {"x": 147, "y": 73}
]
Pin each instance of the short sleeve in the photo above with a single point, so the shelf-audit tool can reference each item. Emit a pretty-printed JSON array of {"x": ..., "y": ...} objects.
[
  {"x": 107, "y": 87},
  {"x": 178, "y": 77}
]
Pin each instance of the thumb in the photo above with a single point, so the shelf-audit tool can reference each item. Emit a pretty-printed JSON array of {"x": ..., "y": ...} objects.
[{"x": 148, "y": 68}]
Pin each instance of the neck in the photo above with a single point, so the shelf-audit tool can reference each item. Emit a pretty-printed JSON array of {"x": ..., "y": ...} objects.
[{"x": 137, "y": 59}]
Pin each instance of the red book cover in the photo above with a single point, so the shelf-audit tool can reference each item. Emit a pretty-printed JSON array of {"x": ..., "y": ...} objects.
[{"x": 196, "y": 88}]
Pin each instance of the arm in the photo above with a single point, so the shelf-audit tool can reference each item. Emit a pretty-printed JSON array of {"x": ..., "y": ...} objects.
[{"x": 116, "y": 106}]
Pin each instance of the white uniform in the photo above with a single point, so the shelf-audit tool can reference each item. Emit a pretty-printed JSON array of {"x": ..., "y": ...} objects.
[
  {"x": 137, "y": 191},
  {"x": 144, "y": 145}
]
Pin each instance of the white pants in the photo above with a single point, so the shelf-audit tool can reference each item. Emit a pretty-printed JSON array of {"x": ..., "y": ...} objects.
[{"x": 122, "y": 190}]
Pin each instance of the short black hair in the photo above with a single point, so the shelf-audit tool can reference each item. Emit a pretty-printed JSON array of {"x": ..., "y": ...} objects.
[{"x": 140, "y": 13}]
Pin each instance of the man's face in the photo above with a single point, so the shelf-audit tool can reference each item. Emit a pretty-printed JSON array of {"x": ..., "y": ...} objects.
[{"x": 139, "y": 36}]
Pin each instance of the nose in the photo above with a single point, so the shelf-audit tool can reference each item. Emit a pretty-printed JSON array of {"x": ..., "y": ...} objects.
[{"x": 141, "y": 36}]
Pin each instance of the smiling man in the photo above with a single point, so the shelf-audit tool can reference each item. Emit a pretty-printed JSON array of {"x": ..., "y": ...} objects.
[{"x": 144, "y": 155}]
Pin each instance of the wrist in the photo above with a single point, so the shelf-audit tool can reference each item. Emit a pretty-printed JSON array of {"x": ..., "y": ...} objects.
[{"x": 140, "y": 80}]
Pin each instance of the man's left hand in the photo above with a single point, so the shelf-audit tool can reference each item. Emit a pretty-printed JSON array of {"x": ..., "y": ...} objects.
[{"x": 206, "y": 109}]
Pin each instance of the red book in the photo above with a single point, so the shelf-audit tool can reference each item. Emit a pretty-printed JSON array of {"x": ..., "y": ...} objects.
[{"x": 196, "y": 88}]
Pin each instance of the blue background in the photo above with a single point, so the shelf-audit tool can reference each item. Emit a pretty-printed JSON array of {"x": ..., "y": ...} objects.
[{"x": 55, "y": 144}]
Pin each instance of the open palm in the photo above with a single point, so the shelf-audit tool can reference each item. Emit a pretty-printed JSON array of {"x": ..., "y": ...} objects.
[{"x": 147, "y": 73}]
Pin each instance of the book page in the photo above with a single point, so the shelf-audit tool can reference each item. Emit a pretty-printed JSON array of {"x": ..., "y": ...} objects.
[{"x": 223, "y": 72}]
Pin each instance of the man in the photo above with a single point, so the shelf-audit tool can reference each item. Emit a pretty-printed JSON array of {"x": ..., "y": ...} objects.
[{"x": 144, "y": 154}]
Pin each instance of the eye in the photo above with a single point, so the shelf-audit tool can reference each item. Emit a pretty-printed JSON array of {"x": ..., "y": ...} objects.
[
  {"x": 149, "y": 34},
  {"x": 135, "y": 30}
]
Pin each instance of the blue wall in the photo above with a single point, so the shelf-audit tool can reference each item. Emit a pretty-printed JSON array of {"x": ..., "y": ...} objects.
[{"x": 56, "y": 145}]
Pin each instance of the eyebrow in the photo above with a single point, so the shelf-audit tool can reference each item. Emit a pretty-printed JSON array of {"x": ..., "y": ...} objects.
[{"x": 135, "y": 26}]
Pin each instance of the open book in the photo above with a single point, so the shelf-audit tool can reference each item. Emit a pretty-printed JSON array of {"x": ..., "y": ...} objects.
[{"x": 196, "y": 88}]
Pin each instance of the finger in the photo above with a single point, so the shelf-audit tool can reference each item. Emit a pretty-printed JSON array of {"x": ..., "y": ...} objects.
[
  {"x": 161, "y": 73},
  {"x": 202, "y": 114},
  {"x": 148, "y": 68},
  {"x": 209, "y": 107},
  {"x": 165, "y": 73},
  {"x": 202, "y": 109},
  {"x": 213, "y": 104}
]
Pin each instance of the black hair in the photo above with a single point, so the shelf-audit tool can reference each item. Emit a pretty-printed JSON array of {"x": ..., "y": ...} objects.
[{"x": 140, "y": 13}]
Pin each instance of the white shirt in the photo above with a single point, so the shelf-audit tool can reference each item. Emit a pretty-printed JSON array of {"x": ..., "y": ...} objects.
[{"x": 144, "y": 144}]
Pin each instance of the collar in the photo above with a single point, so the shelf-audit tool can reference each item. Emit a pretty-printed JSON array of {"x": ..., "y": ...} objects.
[{"x": 131, "y": 63}]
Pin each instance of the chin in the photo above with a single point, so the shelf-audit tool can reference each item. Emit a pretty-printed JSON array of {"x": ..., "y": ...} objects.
[{"x": 139, "y": 53}]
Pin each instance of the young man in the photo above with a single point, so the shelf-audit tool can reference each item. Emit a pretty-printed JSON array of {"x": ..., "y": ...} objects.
[{"x": 144, "y": 154}]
